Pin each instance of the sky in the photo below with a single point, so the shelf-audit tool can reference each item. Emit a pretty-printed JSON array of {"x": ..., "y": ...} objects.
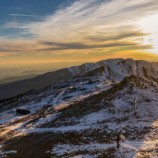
[{"x": 46, "y": 35}]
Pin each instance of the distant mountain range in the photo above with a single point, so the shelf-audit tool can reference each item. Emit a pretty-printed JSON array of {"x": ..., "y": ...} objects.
[
  {"x": 112, "y": 69},
  {"x": 14, "y": 79}
]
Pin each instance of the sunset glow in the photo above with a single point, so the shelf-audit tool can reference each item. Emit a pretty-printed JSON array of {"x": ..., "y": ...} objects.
[
  {"x": 149, "y": 24},
  {"x": 76, "y": 31}
]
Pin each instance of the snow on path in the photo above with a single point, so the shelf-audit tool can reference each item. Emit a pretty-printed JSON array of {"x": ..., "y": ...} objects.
[
  {"x": 143, "y": 148},
  {"x": 60, "y": 129},
  {"x": 55, "y": 101},
  {"x": 150, "y": 144},
  {"x": 10, "y": 128},
  {"x": 83, "y": 156},
  {"x": 129, "y": 149},
  {"x": 4, "y": 153},
  {"x": 67, "y": 148}
]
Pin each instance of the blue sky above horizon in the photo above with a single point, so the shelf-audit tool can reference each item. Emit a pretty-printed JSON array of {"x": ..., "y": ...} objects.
[
  {"x": 34, "y": 33},
  {"x": 26, "y": 11}
]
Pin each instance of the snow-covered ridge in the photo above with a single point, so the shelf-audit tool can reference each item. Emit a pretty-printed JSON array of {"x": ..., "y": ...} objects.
[
  {"x": 125, "y": 67},
  {"x": 117, "y": 69},
  {"x": 112, "y": 69}
]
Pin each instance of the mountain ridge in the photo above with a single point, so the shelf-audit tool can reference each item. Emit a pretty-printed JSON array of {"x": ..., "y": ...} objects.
[{"x": 114, "y": 69}]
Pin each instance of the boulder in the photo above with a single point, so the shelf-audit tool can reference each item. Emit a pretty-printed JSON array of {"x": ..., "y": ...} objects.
[{"x": 22, "y": 112}]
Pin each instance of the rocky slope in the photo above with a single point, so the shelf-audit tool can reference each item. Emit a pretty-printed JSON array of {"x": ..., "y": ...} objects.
[{"x": 81, "y": 117}]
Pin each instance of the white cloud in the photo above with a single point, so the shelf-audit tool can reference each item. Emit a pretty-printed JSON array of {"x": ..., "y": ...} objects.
[
  {"x": 90, "y": 18},
  {"x": 28, "y": 15}
]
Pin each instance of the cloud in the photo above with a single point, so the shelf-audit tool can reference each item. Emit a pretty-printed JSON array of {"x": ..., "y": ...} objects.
[
  {"x": 90, "y": 17},
  {"x": 124, "y": 35},
  {"x": 28, "y": 15},
  {"x": 86, "y": 25},
  {"x": 64, "y": 46}
]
